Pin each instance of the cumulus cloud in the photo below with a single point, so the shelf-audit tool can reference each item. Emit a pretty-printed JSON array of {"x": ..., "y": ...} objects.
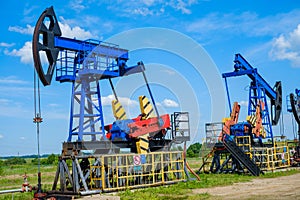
[
  {"x": 4, "y": 44},
  {"x": 287, "y": 47},
  {"x": 151, "y": 7},
  {"x": 169, "y": 103},
  {"x": 1, "y": 136},
  {"x": 181, "y": 5},
  {"x": 106, "y": 101},
  {"x": 25, "y": 53},
  {"x": 74, "y": 32},
  {"x": 243, "y": 103},
  {"x": 142, "y": 11},
  {"x": 28, "y": 30}
]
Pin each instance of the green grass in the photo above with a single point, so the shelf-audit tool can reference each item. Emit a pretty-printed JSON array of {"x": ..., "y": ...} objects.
[
  {"x": 11, "y": 178},
  {"x": 183, "y": 190},
  {"x": 17, "y": 196}
]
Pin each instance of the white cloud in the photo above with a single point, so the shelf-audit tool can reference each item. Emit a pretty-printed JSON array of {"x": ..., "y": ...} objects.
[
  {"x": 28, "y": 30},
  {"x": 12, "y": 80},
  {"x": 243, "y": 103},
  {"x": 181, "y": 5},
  {"x": 148, "y": 2},
  {"x": 287, "y": 47},
  {"x": 74, "y": 32},
  {"x": 22, "y": 138},
  {"x": 1, "y": 136},
  {"x": 169, "y": 103},
  {"x": 145, "y": 8},
  {"x": 77, "y": 5},
  {"x": 247, "y": 23},
  {"x": 142, "y": 11},
  {"x": 106, "y": 101},
  {"x": 4, "y": 44},
  {"x": 25, "y": 53}
]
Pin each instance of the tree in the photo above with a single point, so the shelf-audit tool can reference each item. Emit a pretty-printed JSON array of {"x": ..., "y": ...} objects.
[
  {"x": 193, "y": 150},
  {"x": 51, "y": 159},
  {"x": 45, "y": 161},
  {"x": 15, "y": 161}
]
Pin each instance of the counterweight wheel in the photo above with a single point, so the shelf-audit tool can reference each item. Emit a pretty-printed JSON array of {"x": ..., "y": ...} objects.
[
  {"x": 295, "y": 108},
  {"x": 45, "y": 30}
]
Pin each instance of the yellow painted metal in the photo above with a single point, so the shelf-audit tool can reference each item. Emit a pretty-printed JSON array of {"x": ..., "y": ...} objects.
[
  {"x": 251, "y": 119},
  {"x": 147, "y": 111},
  {"x": 142, "y": 145},
  {"x": 225, "y": 119},
  {"x": 128, "y": 171},
  {"x": 146, "y": 108},
  {"x": 244, "y": 143},
  {"x": 118, "y": 110},
  {"x": 272, "y": 158}
]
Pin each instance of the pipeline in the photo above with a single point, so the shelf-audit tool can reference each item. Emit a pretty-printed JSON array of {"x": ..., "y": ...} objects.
[
  {"x": 26, "y": 187},
  {"x": 187, "y": 164},
  {"x": 11, "y": 191}
]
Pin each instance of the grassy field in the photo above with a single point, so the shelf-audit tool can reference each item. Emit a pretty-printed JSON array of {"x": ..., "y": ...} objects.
[
  {"x": 183, "y": 190},
  {"x": 11, "y": 177}
]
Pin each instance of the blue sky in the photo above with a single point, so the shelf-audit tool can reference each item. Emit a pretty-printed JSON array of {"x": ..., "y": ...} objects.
[{"x": 164, "y": 35}]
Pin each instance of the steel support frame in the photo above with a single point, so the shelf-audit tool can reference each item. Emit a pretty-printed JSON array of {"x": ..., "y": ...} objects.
[
  {"x": 107, "y": 173},
  {"x": 90, "y": 110},
  {"x": 257, "y": 94}
]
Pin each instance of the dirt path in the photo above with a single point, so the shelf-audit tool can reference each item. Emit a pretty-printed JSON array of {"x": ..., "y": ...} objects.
[
  {"x": 285, "y": 187},
  {"x": 280, "y": 188}
]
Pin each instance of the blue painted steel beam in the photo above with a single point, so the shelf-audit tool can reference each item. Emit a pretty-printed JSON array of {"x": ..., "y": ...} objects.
[
  {"x": 79, "y": 45},
  {"x": 242, "y": 67}
]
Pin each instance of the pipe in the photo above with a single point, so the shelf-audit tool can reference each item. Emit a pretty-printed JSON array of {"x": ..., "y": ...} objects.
[
  {"x": 10, "y": 191},
  {"x": 89, "y": 192},
  {"x": 187, "y": 164}
]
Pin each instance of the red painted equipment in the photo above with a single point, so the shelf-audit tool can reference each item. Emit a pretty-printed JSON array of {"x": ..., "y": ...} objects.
[{"x": 151, "y": 125}]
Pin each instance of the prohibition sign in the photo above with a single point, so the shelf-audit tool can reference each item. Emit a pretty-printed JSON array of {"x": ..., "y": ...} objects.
[{"x": 137, "y": 160}]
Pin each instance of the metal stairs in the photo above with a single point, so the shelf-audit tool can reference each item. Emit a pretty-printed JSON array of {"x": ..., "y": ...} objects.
[{"x": 239, "y": 155}]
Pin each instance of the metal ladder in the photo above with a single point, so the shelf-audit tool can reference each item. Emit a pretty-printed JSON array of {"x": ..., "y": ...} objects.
[{"x": 239, "y": 155}]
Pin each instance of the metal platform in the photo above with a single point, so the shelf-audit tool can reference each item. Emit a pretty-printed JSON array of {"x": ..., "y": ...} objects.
[{"x": 90, "y": 174}]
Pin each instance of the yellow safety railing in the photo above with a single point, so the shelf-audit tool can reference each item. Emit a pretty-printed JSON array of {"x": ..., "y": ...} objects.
[
  {"x": 244, "y": 143},
  {"x": 122, "y": 171},
  {"x": 272, "y": 158}
]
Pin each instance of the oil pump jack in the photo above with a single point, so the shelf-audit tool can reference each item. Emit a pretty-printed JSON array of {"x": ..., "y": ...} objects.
[
  {"x": 259, "y": 90},
  {"x": 235, "y": 139},
  {"x": 149, "y": 136},
  {"x": 294, "y": 107}
]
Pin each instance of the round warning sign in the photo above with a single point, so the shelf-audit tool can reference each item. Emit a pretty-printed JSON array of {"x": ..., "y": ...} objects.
[{"x": 137, "y": 160}]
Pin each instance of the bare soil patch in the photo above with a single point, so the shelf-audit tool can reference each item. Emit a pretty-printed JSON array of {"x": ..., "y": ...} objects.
[{"x": 285, "y": 187}]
